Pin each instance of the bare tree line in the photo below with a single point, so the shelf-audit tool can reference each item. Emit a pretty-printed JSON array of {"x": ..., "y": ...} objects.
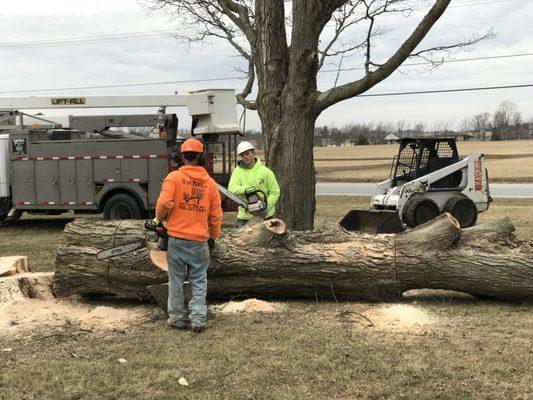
[{"x": 505, "y": 123}]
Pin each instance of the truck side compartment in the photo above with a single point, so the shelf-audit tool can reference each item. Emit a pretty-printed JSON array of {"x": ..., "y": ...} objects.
[{"x": 83, "y": 175}]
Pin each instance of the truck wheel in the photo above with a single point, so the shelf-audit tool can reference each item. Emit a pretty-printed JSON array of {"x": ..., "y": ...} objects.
[
  {"x": 122, "y": 206},
  {"x": 418, "y": 210},
  {"x": 16, "y": 215},
  {"x": 462, "y": 209}
]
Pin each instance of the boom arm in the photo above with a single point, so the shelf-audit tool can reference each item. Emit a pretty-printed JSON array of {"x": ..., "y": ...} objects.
[{"x": 214, "y": 109}]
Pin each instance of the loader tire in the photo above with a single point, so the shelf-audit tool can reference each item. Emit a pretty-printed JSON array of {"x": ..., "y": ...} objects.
[
  {"x": 418, "y": 210},
  {"x": 462, "y": 209},
  {"x": 122, "y": 206}
]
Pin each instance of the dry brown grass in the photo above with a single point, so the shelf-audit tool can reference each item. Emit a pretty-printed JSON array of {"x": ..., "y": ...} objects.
[
  {"x": 507, "y": 161},
  {"x": 467, "y": 349}
]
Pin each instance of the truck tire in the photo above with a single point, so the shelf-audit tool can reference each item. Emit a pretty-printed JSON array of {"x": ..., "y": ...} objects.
[
  {"x": 419, "y": 209},
  {"x": 122, "y": 206},
  {"x": 462, "y": 209},
  {"x": 16, "y": 215}
]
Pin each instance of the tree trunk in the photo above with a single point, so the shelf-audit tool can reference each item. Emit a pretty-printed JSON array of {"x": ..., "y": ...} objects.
[
  {"x": 287, "y": 87},
  {"x": 294, "y": 168},
  {"x": 263, "y": 259}
]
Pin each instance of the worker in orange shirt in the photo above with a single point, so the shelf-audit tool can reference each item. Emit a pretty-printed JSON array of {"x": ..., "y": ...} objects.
[{"x": 190, "y": 202}]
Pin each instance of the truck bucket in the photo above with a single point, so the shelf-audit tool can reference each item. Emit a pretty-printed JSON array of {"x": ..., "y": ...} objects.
[{"x": 372, "y": 221}]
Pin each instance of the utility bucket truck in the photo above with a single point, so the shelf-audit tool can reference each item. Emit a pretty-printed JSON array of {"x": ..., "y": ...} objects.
[
  {"x": 427, "y": 179},
  {"x": 86, "y": 167}
]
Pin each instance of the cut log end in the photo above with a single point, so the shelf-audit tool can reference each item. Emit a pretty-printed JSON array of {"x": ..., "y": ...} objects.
[
  {"x": 159, "y": 259},
  {"x": 275, "y": 225}
]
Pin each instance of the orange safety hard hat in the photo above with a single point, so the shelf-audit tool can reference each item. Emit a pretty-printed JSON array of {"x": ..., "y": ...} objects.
[{"x": 192, "y": 146}]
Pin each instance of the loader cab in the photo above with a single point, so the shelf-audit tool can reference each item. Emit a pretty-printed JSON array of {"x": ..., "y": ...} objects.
[{"x": 420, "y": 156}]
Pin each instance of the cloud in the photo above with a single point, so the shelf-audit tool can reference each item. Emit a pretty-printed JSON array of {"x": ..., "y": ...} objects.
[{"x": 164, "y": 59}]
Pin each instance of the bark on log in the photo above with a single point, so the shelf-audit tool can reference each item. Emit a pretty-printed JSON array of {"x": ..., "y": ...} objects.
[{"x": 263, "y": 260}]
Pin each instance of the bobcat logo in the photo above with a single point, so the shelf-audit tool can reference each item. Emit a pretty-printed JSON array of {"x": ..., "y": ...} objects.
[{"x": 196, "y": 195}]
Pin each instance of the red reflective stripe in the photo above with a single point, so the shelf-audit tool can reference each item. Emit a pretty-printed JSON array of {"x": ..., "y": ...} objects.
[{"x": 91, "y": 157}]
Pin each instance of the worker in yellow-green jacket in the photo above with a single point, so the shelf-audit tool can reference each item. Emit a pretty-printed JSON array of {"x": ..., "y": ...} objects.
[{"x": 251, "y": 174}]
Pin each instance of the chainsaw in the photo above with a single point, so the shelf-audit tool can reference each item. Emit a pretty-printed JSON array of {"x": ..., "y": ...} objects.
[
  {"x": 256, "y": 200},
  {"x": 156, "y": 233},
  {"x": 255, "y": 204}
]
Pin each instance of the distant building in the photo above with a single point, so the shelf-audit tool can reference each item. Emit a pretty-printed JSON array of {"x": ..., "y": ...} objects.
[{"x": 391, "y": 138}]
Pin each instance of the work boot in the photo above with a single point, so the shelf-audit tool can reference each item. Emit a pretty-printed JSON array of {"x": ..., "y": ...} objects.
[
  {"x": 198, "y": 328},
  {"x": 171, "y": 325}
]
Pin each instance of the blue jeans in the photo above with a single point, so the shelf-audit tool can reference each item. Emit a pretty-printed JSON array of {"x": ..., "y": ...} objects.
[{"x": 187, "y": 256}]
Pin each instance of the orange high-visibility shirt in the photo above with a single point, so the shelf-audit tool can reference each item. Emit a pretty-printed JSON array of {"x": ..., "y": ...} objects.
[{"x": 190, "y": 201}]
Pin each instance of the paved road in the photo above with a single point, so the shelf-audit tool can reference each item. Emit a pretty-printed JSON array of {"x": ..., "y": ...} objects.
[{"x": 497, "y": 190}]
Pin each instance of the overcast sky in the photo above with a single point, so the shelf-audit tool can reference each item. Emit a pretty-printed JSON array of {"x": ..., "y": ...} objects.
[{"x": 148, "y": 53}]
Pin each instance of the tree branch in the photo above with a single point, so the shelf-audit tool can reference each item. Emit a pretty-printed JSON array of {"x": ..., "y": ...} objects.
[
  {"x": 241, "y": 97},
  {"x": 371, "y": 78},
  {"x": 428, "y": 54},
  {"x": 242, "y": 19},
  {"x": 341, "y": 24}
]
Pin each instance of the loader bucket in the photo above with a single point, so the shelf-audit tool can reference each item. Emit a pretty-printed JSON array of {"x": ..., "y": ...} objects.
[{"x": 372, "y": 221}]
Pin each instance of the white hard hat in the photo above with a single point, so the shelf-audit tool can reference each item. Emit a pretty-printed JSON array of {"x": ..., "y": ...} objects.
[{"x": 244, "y": 146}]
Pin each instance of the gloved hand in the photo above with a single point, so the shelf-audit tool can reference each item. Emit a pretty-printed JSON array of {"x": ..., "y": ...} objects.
[
  {"x": 151, "y": 225},
  {"x": 211, "y": 244}
]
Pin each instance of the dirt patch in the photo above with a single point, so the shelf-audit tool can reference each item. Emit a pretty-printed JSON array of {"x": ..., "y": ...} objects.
[{"x": 247, "y": 306}]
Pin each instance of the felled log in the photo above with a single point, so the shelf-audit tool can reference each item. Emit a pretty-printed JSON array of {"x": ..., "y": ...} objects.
[{"x": 263, "y": 259}]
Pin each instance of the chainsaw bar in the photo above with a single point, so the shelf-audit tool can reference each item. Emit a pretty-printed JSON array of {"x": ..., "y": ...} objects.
[{"x": 120, "y": 250}]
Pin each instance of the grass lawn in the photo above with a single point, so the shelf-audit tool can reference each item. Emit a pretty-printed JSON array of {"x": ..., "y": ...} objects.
[{"x": 467, "y": 348}]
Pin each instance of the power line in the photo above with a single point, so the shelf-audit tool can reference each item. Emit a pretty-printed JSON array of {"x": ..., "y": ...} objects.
[
  {"x": 446, "y": 90},
  {"x": 228, "y": 78},
  {"x": 444, "y": 62},
  {"x": 97, "y": 39},
  {"x": 467, "y": 3},
  {"x": 126, "y": 85},
  {"x": 89, "y": 39},
  {"x": 360, "y": 95}
]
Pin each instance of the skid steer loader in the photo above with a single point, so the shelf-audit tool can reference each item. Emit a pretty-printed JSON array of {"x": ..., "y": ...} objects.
[{"x": 427, "y": 178}]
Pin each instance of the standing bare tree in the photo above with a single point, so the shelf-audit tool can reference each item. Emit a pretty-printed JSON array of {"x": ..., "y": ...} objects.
[
  {"x": 286, "y": 43},
  {"x": 480, "y": 124},
  {"x": 504, "y": 116}
]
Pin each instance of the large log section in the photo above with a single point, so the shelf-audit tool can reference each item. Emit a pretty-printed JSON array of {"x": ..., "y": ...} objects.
[{"x": 257, "y": 260}]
